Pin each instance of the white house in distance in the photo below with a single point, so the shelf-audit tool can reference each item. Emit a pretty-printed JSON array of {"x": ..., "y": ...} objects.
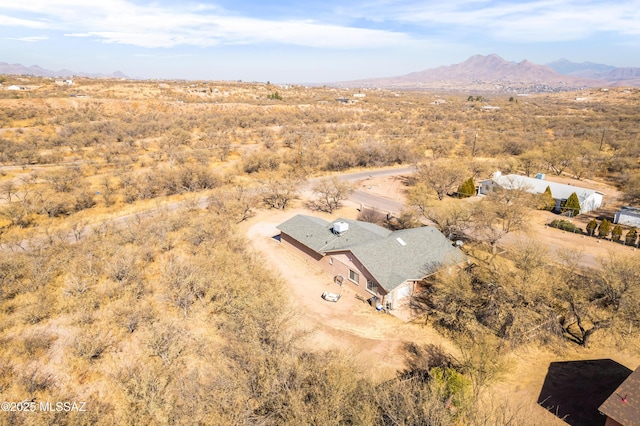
[
  {"x": 629, "y": 216},
  {"x": 590, "y": 199}
]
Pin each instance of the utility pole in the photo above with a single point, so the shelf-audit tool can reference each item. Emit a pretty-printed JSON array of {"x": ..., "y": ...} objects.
[
  {"x": 602, "y": 139},
  {"x": 299, "y": 153},
  {"x": 473, "y": 149}
]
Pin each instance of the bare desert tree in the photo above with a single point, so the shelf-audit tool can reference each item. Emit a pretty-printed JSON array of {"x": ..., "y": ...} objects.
[
  {"x": 442, "y": 177},
  {"x": 559, "y": 158},
  {"x": 372, "y": 216},
  {"x": 331, "y": 192},
  {"x": 498, "y": 214},
  {"x": 593, "y": 300},
  {"x": 631, "y": 188},
  {"x": 278, "y": 192},
  {"x": 452, "y": 219},
  {"x": 8, "y": 188}
]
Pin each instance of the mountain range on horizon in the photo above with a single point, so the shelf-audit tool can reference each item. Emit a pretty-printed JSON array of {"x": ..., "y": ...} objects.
[
  {"x": 490, "y": 73},
  {"x": 37, "y": 71}
]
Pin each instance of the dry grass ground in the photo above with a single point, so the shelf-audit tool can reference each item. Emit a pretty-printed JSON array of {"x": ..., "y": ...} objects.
[{"x": 116, "y": 138}]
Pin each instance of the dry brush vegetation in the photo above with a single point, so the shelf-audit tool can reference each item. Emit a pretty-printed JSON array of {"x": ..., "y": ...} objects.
[{"x": 125, "y": 283}]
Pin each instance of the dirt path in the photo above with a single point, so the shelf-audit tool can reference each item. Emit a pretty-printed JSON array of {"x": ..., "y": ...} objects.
[{"x": 373, "y": 339}]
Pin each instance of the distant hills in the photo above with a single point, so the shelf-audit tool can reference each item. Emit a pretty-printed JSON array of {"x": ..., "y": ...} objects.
[
  {"x": 492, "y": 73},
  {"x": 596, "y": 71},
  {"x": 479, "y": 73},
  {"x": 38, "y": 71}
]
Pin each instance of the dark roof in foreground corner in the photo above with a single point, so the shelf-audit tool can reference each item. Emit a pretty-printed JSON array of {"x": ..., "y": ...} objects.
[
  {"x": 623, "y": 405},
  {"x": 391, "y": 257}
]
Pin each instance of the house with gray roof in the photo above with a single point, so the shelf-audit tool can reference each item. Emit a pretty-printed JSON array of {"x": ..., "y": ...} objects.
[
  {"x": 590, "y": 199},
  {"x": 373, "y": 260}
]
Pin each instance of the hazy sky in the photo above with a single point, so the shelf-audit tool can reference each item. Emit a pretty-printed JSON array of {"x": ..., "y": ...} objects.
[{"x": 310, "y": 41}]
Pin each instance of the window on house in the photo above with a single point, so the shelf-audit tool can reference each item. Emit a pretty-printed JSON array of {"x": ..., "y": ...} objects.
[
  {"x": 354, "y": 276},
  {"x": 372, "y": 287}
]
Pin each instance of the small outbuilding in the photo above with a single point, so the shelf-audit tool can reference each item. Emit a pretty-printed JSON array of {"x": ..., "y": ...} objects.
[{"x": 629, "y": 216}]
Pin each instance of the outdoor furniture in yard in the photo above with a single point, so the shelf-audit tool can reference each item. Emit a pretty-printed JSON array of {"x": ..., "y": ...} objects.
[{"x": 331, "y": 297}]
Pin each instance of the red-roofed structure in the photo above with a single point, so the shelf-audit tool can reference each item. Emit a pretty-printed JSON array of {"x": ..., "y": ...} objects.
[{"x": 622, "y": 408}]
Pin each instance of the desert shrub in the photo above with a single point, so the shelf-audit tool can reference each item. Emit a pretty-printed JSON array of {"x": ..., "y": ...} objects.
[
  {"x": 197, "y": 178},
  {"x": 407, "y": 219},
  {"x": 91, "y": 344},
  {"x": 467, "y": 189},
  {"x": 261, "y": 161},
  {"x": 546, "y": 201},
  {"x": 35, "y": 380},
  {"x": 572, "y": 205},
  {"x": 616, "y": 233},
  {"x": 340, "y": 160},
  {"x": 83, "y": 200},
  {"x": 604, "y": 229},
  {"x": 565, "y": 225},
  {"x": 631, "y": 237},
  {"x": 372, "y": 216},
  {"x": 37, "y": 343}
]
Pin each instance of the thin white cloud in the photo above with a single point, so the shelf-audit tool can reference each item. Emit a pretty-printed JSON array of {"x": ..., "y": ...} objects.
[
  {"x": 144, "y": 55},
  {"x": 81, "y": 35},
  {"x": 30, "y": 39},
  {"x": 11, "y": 21},
  {"x": 537, "y": 20},
  {"x": 151, "y": 26}
]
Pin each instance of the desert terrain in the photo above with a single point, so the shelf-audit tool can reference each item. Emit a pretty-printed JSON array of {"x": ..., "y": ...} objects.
[{"x": 140, "y": 274}]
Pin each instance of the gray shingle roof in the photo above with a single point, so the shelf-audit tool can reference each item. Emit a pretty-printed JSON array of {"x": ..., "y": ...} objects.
[
  {"x": 425, "y": 250},
  {"x": 391, "y": 257},
  {"x": 317, "y": 234}
]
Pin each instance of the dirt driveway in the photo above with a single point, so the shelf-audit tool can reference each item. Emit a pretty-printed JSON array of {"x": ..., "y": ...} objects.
[{"x": 374, "y": 339}]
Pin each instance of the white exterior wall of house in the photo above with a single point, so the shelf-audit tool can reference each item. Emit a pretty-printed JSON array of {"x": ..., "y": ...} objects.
[
  {"x": 626, "y": 217},
  {"x": 400, "y": 295},
  {"x": 486, "y": 187},
  {"x": 593, "y": 202},
  {"x": 403, "y": 291}
]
